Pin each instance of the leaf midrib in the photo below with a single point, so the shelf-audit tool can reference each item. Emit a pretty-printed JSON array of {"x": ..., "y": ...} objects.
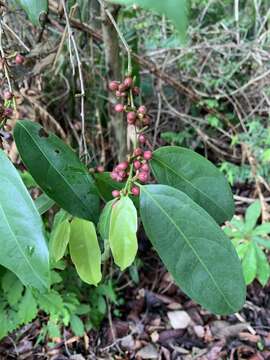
[
  {"x": 190, "y": 245},
  {"x": 190, "y": 183},
  {"x": 69, "y": 185},
  {"x": 20, "y": 248}
]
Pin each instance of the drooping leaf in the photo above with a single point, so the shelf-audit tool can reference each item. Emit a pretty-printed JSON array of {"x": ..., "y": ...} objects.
[
  {"x": 263, "y": 268},
  {"x": 122, "y": 235},
  {"x": 84, "y": 251},
  {"x": 198, "y": 254},
  {"x": 175, "y": 10},
  {"x": 252, "y": 215},
  {"x": 191, "y": 173},
  {"x": 34, "y": 9},
  {"x": 60, "y": 235},
  {"x": 57, "y": 170},
  {"x": 104, "y": 220},
  {"x": 43, "y": 203},
  {"x": 23, "y": 247},
  {"x": 250, "y": 264}
]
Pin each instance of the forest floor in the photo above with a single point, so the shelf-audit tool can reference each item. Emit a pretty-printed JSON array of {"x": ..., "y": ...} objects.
[{"x": 157, "y": 321}]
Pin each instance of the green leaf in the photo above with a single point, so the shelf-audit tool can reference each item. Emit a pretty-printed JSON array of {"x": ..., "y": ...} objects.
[
  {"x": 104, "y": 220},
  {"x": 106, "y": 185},
  {"x": 263, "y": 229},
  {"x": 84, "y": 251},
  {"x": 252, "y": 215},
  {"x": 57, "y": 170},
  {"x": 27, "y": 308},
  {"x": 122, "y": 235},
  {"x": 59, "y": 240},
  {"x": 261, "y": 241},
  {"x": 12, "y": 287},
  {"x": 195, "y": 250},
  {"x": 76, "y": 325},
  {"x": 263, "y": 268},
  {"x": 43, "y": 203},
  {"x": 250, "y": 264},
  {"x": 191, "y": 173},
  {"x": 34, "y": 8},
  {"x": 175, "y": 10},
  {"x": 23, "y": 247}
]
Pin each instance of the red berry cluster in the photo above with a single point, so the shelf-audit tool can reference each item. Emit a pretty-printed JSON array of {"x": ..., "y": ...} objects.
[{"x": 126, "y": 90}]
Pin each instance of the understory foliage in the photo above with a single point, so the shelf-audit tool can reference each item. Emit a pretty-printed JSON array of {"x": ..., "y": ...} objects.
[{"x": 58, "y": 250}]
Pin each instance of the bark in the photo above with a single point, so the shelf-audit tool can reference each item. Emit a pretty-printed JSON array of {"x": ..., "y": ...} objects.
[{"x": 114, "y": 65}]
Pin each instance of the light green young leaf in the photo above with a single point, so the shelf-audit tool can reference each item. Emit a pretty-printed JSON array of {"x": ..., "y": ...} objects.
[
  {"x": 175, "y": 10},
  {"x": 84, "y": 251},
  {"x": 23, "y": 246},
  {"x": 263, "y": 268},
  {"x": 27, "y": 307},
  {"x": 34, "y": 9},
  {"x": 252, "y": 215},
  {"x": 194, "y": 249},
  {"x": 261, "y": 241},
  {"x": 12, "y": 287},
  {"x": 60, "y": 235},
  {"x": 263, "y": 229},
  {"x": 76, "y": 325},
  {"x": 104, "y": 220},
  {"x": 249, "y": 264},
  {"x": 122, "y": 236}
]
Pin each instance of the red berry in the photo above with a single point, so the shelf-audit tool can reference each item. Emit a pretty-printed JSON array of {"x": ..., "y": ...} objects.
[
  {"x": 137, "y": 152},
  {"x": 122, "y": 166},
  {"x": 7, "y": 95},
  {"x": 135, "y": 191},
  {"x": 113, "y": 85},
  {"x": 142, "y": 110},
  {"x": 114, "y": 175},
  {"x": 137, "y": 164},
  {"x": 19, "y": 60},
  {"x": 118, "y": 93},
  {"x": 142, "y": 139},
  {"x": 119, "y": 108},
  {"x": 119, "y": 178},
  {"x": 123, "y": 94},
  {"x": 136, "y": 91},
  {"x": 131, "y": 117},
  {"x": 100, "y": 169},
  {"x": 128, "y": 82},
  {"x": 8, "y": 112},
  {"x": 147, "y": 155},
  {"x": 115, "y": 193},
  {"x": 122, "y": 87},
  {"x": 143, "y": 176},
  {"x": 145, "y": 167}
]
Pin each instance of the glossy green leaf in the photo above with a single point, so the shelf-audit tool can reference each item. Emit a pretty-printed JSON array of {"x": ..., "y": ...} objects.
[
  {"x": 195, "y": 250},
  {"x": 34, "y": 9},
  {"x": 76, "y": 325},
  {"x": 250, "y": 264},
  {"x": 191, "y": 173},
  {"x": 175, "y": 10},
  {"x": 122, "y": 236},
  {"x": 84, "y": 251},
  {"x": 43, "y": 203},
  {"x": 23, "y": 246},
  {"x": 263, "y": 268},
  {"x": 57, "y": 170},
  {"x": 60, "y": 235},
  {"x": 252, "y": 215},
  {"x": 106, "y": 185}
]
